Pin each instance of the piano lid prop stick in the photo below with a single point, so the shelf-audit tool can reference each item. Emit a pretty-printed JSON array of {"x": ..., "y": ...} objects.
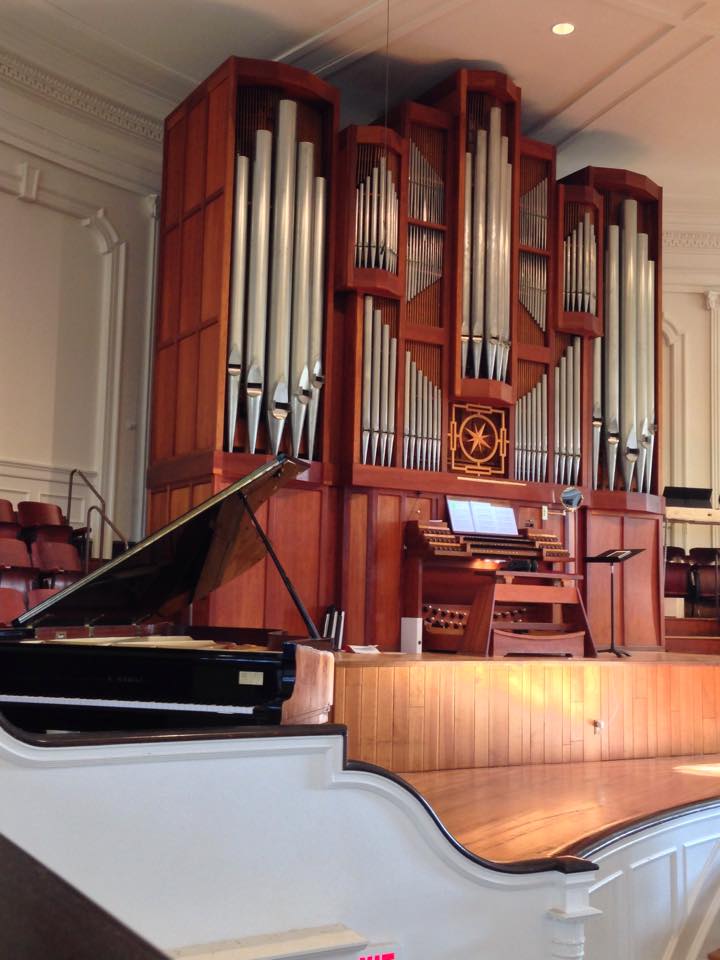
[
  {"x": 258, "y": 283},
  {"x": 628, "y": 371},
  {"x": 278, "y": 400},
  {"x": 478, "y": 251},
  {"x": 236, "y": 332},
  {"x": 612, "y": 352},
  {"x": 642, "y": 358},
  {"x": 300, "y": 391},
  {"x": 317, "y": 283},
  {"x": 367, "y": 376}
]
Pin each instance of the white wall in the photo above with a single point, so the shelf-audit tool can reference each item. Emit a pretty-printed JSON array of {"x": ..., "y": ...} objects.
[
  {"x": 76, "y": 262},
  {"x": 691, "y": 359}
]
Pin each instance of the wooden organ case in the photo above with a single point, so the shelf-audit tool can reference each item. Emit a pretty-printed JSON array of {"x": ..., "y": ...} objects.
[{"x": 474, "y": 322}]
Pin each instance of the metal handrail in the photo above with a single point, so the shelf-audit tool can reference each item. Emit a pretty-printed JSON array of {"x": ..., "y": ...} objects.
[
  {"x": 101, "y": 511},
  {"x": 105, "y": 520}
]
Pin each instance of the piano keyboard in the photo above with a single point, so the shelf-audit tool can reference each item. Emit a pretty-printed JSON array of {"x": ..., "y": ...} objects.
[{"x": 126, "y": 704}]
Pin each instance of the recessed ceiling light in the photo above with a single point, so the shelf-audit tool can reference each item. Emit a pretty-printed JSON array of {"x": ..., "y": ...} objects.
[{"x": 563, "y": 29}]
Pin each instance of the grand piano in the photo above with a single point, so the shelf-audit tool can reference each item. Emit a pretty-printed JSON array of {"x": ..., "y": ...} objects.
[{"x": 107, "y": 652}]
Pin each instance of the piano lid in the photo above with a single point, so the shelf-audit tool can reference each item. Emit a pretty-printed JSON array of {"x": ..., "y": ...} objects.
[{"x": 183, "y": 562}]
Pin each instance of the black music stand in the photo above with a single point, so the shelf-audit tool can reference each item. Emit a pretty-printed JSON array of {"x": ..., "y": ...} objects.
[{"x": 612, "y": 557}]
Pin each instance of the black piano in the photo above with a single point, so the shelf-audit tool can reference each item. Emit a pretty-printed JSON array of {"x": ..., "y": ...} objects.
[{"x": 106, "y": 653}]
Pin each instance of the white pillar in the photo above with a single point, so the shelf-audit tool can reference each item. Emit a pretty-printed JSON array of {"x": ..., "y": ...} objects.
[{"x": 712, "y": 304}]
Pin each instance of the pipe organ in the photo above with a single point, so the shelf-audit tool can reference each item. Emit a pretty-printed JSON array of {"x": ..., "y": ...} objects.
[{"x": 413, "y": 308}]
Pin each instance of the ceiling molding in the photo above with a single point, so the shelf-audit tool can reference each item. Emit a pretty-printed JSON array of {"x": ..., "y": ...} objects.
[
  {"x": 33, "y": 79},
  {"x": 691, "y": 240}
]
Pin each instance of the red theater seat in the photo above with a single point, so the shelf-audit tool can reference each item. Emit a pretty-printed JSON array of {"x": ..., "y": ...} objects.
[
  {"x": 15, "y": 565},
  {"x": 12, "y": 604},
  {"x": 37, "y": 596},
  {"x": 9, "y": 527},
  {"x": 43, "y": 521},
  {"x": 58, "y": 563}
]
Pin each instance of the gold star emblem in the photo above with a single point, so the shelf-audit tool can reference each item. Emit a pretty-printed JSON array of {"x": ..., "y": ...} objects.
[{"x": 478, "y": 436}]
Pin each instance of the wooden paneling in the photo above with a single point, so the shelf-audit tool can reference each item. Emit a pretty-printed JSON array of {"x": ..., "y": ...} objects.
[
  {"x": 194, "y": 178},
  {"x": 642, "y": 587},
  {"x": 207, "y": 386},
  {"x": 446, "y": 714},
  {"x": 384, "y": 572},
  {"x": 164, "y": 386},
  {"x": 201, "y": 492},
  {"x": 170, "y": 293},
  {"x": 180, "y": 501},
  {"x": 212, "y": 263},
  {"x": 186, "y": 405},
  {"x": 294, "y": 530},
  {"x": 173, "y": 171},
  {"x": 638, "y": 619},
  {"x": 191, "y": 284},
  {"x": 157, "y": 510},
  {"x": 217, "y": 136},
  {"x": 354, "y": 576}
]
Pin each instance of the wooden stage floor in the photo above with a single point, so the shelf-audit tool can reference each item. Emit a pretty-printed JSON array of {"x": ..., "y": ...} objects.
[{"x": 515, "y": 813}]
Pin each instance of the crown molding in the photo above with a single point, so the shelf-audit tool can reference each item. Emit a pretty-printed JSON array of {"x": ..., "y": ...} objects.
[
  {"x": 33, "y": 79},
  {"x": 691, "y": 240}
]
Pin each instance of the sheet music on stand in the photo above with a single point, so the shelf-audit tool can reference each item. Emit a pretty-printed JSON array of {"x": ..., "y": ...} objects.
[{"x": 478, "y": 517}]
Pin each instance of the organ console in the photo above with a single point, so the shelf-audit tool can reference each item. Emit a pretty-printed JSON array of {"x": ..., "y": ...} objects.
[{"x": 493, "y": 595}]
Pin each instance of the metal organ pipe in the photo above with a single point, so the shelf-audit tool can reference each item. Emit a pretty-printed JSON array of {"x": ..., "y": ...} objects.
[
  {"x": 281, "y": 274},
  {"x": 480, "y": 192},
  {"x": 612, "y": 352},
  {"x": 597, "y": 414},
  {"x": 236, "y": 329},
  {"x": 317, "y": 302},
  {"x": 492, "y": 263},
  {"x": 367, "y": 377},
  {"x": 642, "y": 358},
  {"x": 258, "y": 283},
  {"x": 300, "y": 391},
  {"x": 650, "y": 320},
  {"x": 467, "y": 263},
  {"x": 628, "y": 368}
]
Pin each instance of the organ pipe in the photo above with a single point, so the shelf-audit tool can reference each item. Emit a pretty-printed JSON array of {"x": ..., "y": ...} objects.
[
  {"x": 236, "y": 327},
  {"x": 278, "y": 371}
]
